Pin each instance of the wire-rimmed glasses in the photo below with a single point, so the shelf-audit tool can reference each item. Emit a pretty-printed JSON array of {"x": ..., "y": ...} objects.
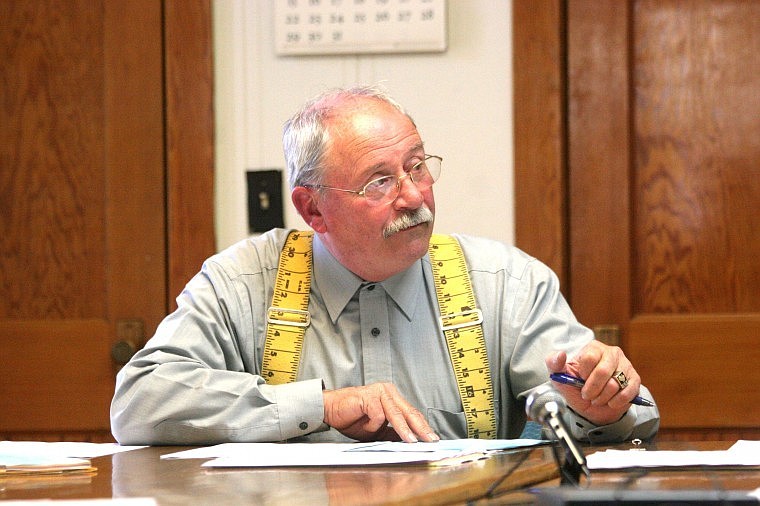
[{"x": 384, "y": 190}]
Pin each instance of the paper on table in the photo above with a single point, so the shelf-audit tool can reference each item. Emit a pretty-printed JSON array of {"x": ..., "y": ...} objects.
[
  {"x": 448, "y": 445},
  {"x": 288, "y": 455},
  {"x": 37, "y": 464},
  {"x": 459, "y": 445},
  {"x": 62, "y": 449},
  {"x": 745, "y": 447},
  {"x": 241, "y": 449},
  {"x": 350, "y": 454},
  {"x": 743, "y": 453},
  {"x": 39, "y": 457}
]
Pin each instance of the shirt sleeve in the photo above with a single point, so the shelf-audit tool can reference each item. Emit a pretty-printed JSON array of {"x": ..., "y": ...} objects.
[
  {"x": 639, "y": 422},
  {"x": 197, "y": 380},
  {"x": 546, "y": 324}
]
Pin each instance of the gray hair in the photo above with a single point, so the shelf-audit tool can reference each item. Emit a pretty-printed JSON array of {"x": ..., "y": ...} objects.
[{"x": 305, "y": 136}]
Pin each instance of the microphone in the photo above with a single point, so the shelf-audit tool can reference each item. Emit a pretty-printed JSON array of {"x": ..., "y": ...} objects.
[{"x": 546, "y": 405}]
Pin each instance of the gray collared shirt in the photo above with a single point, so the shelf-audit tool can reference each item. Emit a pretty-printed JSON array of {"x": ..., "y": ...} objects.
[{"x": 197, "y": 380}]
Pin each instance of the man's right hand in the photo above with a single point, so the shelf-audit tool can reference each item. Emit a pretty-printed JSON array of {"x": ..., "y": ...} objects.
[{"x": 375, "y": 412}]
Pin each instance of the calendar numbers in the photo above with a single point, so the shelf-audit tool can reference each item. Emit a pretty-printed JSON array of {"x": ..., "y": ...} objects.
[{"x": 305, "y": 27}]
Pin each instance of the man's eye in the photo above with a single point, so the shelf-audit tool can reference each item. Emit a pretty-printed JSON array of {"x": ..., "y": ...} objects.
[
  {"x": 380, "y": 184},
  {"x": 417, "y": 166}
]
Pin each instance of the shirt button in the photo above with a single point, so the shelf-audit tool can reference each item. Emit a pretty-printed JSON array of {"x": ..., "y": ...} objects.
[
  {"x": 303, "y": 425},
  {"x": 375, "y": 332},
  {"x": 370, "y": 287}
]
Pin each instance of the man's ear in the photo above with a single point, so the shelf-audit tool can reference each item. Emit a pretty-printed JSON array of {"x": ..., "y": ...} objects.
[{"x": 305, "y": 201}]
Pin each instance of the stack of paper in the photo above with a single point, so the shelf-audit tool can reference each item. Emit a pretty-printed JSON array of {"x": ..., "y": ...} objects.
[
  {"x": 743, "y": 453},
  {"x": 26, "y": 458},
  {"x": 18, "y": 465}
]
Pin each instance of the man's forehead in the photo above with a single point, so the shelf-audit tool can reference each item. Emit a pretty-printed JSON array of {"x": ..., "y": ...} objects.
[
  {"x": 367, "y": 122},
  {"x": 362, "y": 111}
]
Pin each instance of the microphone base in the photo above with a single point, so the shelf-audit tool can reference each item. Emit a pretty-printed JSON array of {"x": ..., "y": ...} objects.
[{"x": 571, "y": 471}]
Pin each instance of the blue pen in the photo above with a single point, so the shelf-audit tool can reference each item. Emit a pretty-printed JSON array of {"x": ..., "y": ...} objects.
[{"x": 567, "y": 379}]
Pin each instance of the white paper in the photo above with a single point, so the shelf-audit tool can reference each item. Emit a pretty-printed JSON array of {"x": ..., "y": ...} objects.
[
  {"x": 315, "y": 458},
  {"x": 448, "y": 445},
  {"x": 334, "y": 454},
  {"x": 458, "y": 445},
  {"x": 745, "y": 447},
  {"x": 314, "y": 454},
  {"x": 243, "y": 449},
  {"x": 743, "y": 453},
  {"x": 63, "y": 449}
]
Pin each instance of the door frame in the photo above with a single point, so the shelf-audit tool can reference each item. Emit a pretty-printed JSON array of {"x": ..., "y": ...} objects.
[
  {"x": 540, "y": 131},
  {"x": 189, "y": 138}
]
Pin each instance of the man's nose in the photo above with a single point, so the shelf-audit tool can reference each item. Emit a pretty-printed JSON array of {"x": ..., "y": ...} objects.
[{"x": 409, "y": 196}]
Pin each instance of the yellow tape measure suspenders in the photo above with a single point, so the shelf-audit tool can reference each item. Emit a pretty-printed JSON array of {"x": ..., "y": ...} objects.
[
  {"x": 461, "y": 323},
  {"x": 288, "y": 317}
]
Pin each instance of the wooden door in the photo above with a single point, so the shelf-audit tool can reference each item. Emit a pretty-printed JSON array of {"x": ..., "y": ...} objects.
[
  {"x": 659, "y": 104},
  {"x": 85, "y": 185}
]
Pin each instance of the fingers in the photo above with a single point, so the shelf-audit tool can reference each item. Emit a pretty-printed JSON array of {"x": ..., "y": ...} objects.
[
  {"x": 406, "y": 420},
  {"x": 597, "y": 363},
  {"x": 373, "y": 412},
  {"x": 555, "y": 362}
]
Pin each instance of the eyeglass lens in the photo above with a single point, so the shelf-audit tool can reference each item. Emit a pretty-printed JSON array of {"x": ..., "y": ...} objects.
[{"x": 386, "y": 189}]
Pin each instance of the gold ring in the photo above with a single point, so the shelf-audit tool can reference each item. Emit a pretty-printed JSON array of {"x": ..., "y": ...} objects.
[{"x": 621, "y": 378}]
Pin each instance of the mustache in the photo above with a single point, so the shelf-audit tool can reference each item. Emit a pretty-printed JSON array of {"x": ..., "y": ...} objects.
[{"x": 408, "y": 220}]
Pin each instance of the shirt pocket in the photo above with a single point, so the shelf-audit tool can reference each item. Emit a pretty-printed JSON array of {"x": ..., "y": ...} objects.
[{"x": 450, "y": 424}]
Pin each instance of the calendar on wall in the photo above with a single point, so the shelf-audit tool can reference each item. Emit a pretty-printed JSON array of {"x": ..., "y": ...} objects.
[{"x": 314, "y": 27}]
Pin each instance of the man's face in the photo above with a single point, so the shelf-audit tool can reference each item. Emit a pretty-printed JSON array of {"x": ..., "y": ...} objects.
[{"x": 371, "y": 141}]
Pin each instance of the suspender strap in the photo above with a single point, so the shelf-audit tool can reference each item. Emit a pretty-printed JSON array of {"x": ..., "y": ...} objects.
[
  {"x": 288, "y": 317},
  {"x": 461, "y": 323}
]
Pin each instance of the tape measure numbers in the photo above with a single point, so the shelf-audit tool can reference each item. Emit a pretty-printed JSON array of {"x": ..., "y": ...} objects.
[
  {"x": 288, "y": 317},
  {"x": 461, "y": 323}
]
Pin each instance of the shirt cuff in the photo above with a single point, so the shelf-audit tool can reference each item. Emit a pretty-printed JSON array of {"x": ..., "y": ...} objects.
[
  {"x": 583, "y": 430},
  {"x": 301, "y": 408},
  {"x": 640, "y": 422}
]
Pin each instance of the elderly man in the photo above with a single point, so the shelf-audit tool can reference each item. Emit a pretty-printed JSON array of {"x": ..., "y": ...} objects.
[{"x": 368, "y": 326}]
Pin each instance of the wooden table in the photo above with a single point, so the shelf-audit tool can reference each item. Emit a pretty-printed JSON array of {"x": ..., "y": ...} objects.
[{"x": 141, "y": 473}]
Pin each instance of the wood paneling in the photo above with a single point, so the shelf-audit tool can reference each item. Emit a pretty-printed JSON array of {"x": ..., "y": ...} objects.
[
  {"x": 697, "y": 149},
  {"x": 695, "y": 332},
  {"x": 701, "y": 368},
  {"x": 82, "y": 160},
  {"x": 134, "y": 163},
  {"x": 663, "y": 155},
  {"x": 708, "y": 434},
  {"x": 52, "y": 116},
  {"x": 189, "y": 139},
  {"x": 540, "y": 143},
  {"x": 598, "y": 157},
  {"x": 49, "y": 389},
  {"x": 106, "y": 153}
]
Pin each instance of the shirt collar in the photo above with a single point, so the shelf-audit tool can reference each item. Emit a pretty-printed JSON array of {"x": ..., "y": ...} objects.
[{"x": 338, "y": 285}]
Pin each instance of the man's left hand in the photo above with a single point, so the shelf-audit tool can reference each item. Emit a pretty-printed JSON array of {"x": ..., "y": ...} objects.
[{"x": 602, "y": 400}]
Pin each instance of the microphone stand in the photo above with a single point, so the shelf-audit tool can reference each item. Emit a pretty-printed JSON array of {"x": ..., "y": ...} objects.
[
  {"x": 546, "y": 405},
  {"x": 575, "y": 462}
]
